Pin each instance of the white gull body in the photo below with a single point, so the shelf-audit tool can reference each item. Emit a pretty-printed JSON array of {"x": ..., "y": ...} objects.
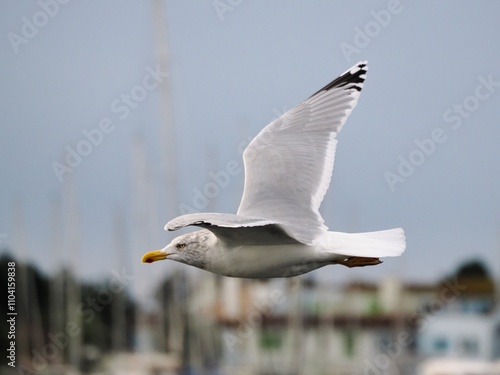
[{"x": 278, "y": 230}]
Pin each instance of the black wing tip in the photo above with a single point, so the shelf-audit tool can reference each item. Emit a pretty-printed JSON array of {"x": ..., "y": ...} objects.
[{"x": 351, "y": 79}]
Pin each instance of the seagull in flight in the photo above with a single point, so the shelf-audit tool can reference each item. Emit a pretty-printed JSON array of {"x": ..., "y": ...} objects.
[{"x": 278, "y": 230}]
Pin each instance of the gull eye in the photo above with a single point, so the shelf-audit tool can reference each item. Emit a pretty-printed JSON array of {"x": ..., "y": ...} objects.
[{"x": 181, "y": 245}]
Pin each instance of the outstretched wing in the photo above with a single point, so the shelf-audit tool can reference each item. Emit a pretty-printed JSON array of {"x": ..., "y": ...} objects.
[
  {"x": 289, "y": 164},
  {"x": 235, "y": 229}
]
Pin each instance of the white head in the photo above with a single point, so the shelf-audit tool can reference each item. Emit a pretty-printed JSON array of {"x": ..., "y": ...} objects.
[{"x": 189, "y": 248}]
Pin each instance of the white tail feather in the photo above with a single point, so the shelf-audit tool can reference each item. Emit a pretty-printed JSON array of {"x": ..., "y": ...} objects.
[{"x": 384, "y": 243}]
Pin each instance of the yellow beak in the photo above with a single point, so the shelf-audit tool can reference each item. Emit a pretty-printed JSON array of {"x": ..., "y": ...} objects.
[{"x": 153, "y": 256}]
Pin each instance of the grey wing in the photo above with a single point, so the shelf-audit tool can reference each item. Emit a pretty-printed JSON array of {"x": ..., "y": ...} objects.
[
  {"x": 235, "y": 229},
  {"x": 289, "y": 164}
]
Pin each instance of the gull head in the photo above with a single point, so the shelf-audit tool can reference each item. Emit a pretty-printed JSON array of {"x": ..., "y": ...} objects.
[{"x": 189, "y": 248}]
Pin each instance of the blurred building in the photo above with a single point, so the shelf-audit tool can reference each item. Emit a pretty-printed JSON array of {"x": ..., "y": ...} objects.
[
  {"x": 465, "y": 333},
  {"x": 299, "y": 326}
]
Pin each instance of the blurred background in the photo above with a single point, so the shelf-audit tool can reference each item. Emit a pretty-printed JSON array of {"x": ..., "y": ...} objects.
[{"x": 117, "y": 116}]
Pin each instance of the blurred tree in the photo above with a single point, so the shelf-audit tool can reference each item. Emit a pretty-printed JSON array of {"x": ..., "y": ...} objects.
[
  {"x": 34, "y": 313},
  {"x": 473, "y": 269},
  {"x": 30, "y": 285},
  {"x": 473, "y": 286}
]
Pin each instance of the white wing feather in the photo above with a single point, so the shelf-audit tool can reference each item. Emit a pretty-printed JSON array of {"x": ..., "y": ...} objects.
[{"x": 289, "y": 164}]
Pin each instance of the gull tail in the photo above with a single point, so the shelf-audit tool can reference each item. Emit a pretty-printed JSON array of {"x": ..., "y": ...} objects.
[{"x": 384, "y": 243}]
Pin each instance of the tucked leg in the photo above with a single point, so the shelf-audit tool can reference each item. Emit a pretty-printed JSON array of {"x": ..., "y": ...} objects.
[{"x": 359, "y": 262}]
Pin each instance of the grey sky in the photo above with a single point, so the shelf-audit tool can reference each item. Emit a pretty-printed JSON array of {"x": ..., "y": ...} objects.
[{"x": 230, "y": 74}]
